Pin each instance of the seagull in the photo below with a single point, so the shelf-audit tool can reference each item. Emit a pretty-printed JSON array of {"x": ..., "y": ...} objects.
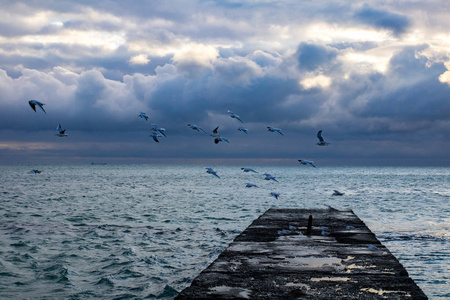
[
  {"x": 337, "y": 193},
  {"x": 159, "y": 130},
  {"x": 275, "y": 195},
  {"x": 61, "y": 132},
  {"x": 215, "y": 132},
  {"x": 307, "y": 162},
  {"x": 155, "y": 136},
  {"x": 221, "y": 139},
  {"x": 143, "y": 115},
  {"x": 331, "y": 208},
  {"x": 249, "y": 185},
  {"x": 248, "y": 170},
  {"x": 321, "y": 140},
  {"x": 234, "y": 116},
  {"x": 195, "y": 127},
  {"x": 34, "y": 171},
  {"x": 269, "y": 177},
  {"x": 217, "y": 137},
  {"x": 33, "y": 104},
  {"x": 244, "y": 130},
  {"x": 372, "y": 247},
  {"x": 212, "y": 172},
  {"x": 273, "y": 129}
]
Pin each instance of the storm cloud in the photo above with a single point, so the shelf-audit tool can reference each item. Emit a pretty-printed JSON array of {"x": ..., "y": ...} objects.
[{"x": 364, "y": 74}]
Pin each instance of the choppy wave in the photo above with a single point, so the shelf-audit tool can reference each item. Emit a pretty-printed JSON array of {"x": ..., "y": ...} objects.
[{"x": 119, "y": 232}]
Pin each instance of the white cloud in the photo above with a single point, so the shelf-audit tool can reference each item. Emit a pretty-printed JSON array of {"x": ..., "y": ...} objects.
[
  {"x": 445, "y": 77},
  {"x": 192, "y": 57},
  {"x": 319, "y": 81},
  {"x": 140, "y": 59}
]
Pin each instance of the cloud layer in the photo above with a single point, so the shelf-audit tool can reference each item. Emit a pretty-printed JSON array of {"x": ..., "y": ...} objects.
[{"x": 373, "y": 77}]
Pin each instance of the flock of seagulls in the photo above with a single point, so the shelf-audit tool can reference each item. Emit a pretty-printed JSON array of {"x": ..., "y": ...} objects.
[{"x": 159, "y": 132}]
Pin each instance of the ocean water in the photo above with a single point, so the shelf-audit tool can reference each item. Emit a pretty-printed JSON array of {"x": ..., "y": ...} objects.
[{"x": 145, "y": 231}]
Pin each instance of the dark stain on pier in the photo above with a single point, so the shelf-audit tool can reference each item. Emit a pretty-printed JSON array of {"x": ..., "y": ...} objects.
[{"x": 276, "y": 258}]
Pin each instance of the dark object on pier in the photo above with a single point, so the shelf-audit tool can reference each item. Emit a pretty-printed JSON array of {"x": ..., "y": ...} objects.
[{"x": 275, "y": 259}]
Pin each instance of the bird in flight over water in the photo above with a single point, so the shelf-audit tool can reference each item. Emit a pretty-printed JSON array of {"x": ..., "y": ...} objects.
[
  {"x": 269, "y": 177},
  {"x": 273, "y": 129},
  {"x": 155, "y": 136},
  {"x": 158, "y": 130},
  {"x": 61, "y": 132},
  {"x": 217, "y": 138},
  {"x": 307, "y": 162},
  {"x": 244, "y": 130},
  {"x": 250, "y": 185},
  {"x": 34, "y": 103},
  {"x": 275, "y": 195},
  {"x": 212, "y": 172},
  {"x": 234, "y": 116},
  {"x": 195, "y": 127},
  {"x": 143, "y": 115},
  {"x": 321, "y": 140},
  {"x": 337, "y": 193},
  {"x": 248, "y": 170}
]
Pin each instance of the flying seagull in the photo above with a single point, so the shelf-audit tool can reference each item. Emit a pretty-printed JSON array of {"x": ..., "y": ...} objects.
[
  {"x": 248, "y": 170},
  {"x": 307, "y": 162},
  {"x": 234, "y": 116},
  {"x": 250, "y": 185},
  {"x": 158, "y": 130},
  {"x": 275, "y": 195},
  {"x": 34, "y": 171},
  {"x": 195, "y": 127},
  {"x": 321, "y": 140},
  {"x": 33, "y": 104},
  {"x": 221, "y": 139},
  {"x": 337, "y": 193},
  {"x": 212, "y": 172},
  {"x": 155, "y": 136},
  {"x": 269, "y": 177},
  {"x": 273, "y": 129},
  {"x": 217, "y": 137},
  {"x": 143, "y": 115},
  {"x": 61, "y": 132},
  {"x": 244, "y": 130}
]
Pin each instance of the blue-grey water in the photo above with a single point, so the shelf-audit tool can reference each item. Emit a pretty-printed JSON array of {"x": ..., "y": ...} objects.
[{"x": 143, "y": 231}]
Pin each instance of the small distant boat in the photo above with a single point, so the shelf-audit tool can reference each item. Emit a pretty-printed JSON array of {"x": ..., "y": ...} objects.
[{"x": 93, "y": 163}]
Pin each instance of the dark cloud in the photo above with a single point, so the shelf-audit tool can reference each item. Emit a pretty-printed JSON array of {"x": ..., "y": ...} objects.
[
  {"x": 312, "y": 57},
  {"x": 214, "y": 56},
  {"x": 394, "y": 22}
]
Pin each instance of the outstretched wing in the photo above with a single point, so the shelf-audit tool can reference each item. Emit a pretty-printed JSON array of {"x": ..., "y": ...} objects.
[
  {"x": 33, "y": 105},
  {"x": 310, "y": 163},
  {"x": 41, "y": 106},
  {"x": 319, "y": 136}
]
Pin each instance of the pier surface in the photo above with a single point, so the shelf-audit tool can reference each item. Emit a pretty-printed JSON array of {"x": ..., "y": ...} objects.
[{"x": 274, "y": 258}]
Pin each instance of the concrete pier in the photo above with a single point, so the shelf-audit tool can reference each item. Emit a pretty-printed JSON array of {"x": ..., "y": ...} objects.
[{"x": 274, "y": 258}]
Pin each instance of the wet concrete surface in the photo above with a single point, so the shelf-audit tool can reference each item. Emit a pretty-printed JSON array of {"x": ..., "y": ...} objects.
[{"x": 275, "y": 259}]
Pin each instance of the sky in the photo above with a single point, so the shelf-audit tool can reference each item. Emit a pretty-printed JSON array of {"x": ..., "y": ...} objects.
[{"x": 373, "y": 75}]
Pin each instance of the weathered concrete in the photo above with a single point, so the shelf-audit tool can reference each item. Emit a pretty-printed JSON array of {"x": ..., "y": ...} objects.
[{"x": 274, "y": 259}]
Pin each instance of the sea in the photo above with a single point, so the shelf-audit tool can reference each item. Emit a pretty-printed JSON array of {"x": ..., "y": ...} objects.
[{"x": 146, "y": 231}]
